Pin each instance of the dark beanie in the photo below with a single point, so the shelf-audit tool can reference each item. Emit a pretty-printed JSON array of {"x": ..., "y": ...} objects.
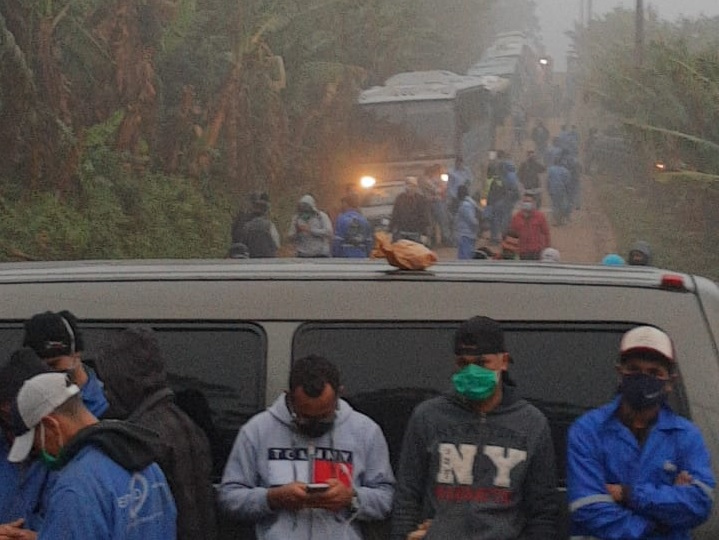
[
  {"x": 53, "y": 334},
  {"x": 477, "y": 336},
  {"x": 23, "y": 365}
]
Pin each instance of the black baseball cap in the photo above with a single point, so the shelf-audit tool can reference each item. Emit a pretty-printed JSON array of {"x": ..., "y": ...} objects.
[
  {"x": 479, "y": 335},
  {"x": 52, "y": 334}
]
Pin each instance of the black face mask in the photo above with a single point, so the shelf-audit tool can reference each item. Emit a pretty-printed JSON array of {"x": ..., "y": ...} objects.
[
  {"x": 314, "y": 429},
  {"x": 642, "y": 391},
  {"x": 310, "y": 428}
]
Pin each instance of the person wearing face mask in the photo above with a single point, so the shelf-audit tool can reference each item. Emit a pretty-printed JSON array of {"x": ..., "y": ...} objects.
[
  {"x": 311, "y": 229},
  {"x": 21, "y": 485},
  {"x": 310, "y": 466},
  {"x": 478, "y": 462},
  {"x": 532, "y": 228},
  {"x": 107, "y": 484},
  {"x": 636, "y": 469}
]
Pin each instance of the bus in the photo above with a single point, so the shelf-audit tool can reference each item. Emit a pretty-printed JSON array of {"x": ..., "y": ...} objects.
[
  {"x": 419, "y": 119},
  {"x": 513, "y": 56}
]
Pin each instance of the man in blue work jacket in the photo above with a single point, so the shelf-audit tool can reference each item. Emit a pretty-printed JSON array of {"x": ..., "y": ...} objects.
[{"x": 635, "y": 469}]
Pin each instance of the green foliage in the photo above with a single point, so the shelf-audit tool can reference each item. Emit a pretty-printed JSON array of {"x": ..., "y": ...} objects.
[
  {"x": 116, "y": 213},
  {"x": 677, "y": 217},
  {"x": 187, "y": 87},
  {"x": 670, "y": 103}
]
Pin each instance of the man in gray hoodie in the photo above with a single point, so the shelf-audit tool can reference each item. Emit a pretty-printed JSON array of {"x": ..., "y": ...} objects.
[
  {"x": 311, "y": 229},
  {"x": 479, "y": 463},
  {"x": 309, "y": 467}
]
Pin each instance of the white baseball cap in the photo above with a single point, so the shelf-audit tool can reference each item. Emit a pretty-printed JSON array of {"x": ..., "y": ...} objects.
[
  {"x": 38, "y": 397},
  {"x": 647, "y": 339}
]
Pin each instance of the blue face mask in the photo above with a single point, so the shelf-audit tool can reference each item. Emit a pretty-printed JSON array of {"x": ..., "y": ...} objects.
[
  {"x": 474, "y": 382},
  {"x": 641, "y": 391}
]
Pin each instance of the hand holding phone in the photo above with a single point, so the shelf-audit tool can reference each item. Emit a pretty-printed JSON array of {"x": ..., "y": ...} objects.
[{"x": 317, "y": 487}]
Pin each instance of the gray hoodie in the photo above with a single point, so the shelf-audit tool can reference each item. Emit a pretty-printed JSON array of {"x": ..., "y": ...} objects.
[
  {"x": 486, "y": 476},
  {"x": 316, "y": 241},
  {"x": 269, "y": 452}
]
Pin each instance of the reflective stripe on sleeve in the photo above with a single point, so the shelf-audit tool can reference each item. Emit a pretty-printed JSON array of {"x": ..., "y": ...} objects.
[
  {"x": 705, "y": 488},
  {"x": 591, "y": 499}
]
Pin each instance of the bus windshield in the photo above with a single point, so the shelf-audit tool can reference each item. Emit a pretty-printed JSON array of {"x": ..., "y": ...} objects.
[{"x": 401, "y": 131}]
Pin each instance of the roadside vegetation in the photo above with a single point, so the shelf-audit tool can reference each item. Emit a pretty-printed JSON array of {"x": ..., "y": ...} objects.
[
  {"x": 667, "y": 109},
  {"x": 137, "y": 128}
]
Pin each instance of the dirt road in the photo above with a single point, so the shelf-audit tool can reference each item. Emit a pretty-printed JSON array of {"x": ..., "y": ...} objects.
[{"x": 588, "y": 237}]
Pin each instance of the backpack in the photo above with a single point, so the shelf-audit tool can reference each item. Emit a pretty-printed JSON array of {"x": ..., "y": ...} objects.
[
  {"x": 355, "y": 235},
  {"x": 258, "y": 238},
  {"x": 497, "y": 191}
]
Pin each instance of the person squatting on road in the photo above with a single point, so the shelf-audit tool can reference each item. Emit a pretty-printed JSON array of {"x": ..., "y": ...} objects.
[
  {"x": 309, "y": 435},
  {"x": 107, "y": 484},
  {"x": 481, "y": 458},
  {"x": 636, "y": 469}
]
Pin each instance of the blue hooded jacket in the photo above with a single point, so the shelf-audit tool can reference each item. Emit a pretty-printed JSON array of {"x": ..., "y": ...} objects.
[
  {"x": 110, "y": 487},
  {"x": 602, "y": 450},
  {"x": 25, "y": 485},
  {"x": 353, "y": 236}
]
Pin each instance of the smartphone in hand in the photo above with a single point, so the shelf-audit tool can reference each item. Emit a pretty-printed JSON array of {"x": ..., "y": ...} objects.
[{"x": 317, "y": 488}]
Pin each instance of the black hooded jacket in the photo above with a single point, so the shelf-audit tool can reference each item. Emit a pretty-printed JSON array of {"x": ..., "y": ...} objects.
[
  {"x": 131, "y": 446},
  {"x": 137, "y": 391}
]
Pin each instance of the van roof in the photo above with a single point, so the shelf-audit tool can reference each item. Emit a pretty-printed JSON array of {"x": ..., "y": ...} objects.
[{"x": 337, "y": 269}]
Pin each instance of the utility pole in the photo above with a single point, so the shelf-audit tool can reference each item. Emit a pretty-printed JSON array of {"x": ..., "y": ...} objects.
[
  {"x": 589, "y": 12},
  {"x": 639, "y": 33},
  {"x": 581, "y": 13}
]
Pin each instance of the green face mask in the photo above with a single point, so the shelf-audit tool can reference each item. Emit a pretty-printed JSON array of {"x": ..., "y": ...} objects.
[
  {"x": 51, "y": 462},
  {"x": 475, "y": 382}
]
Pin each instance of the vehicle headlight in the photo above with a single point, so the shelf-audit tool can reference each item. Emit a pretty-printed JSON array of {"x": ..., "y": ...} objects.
[
  {"x": 368, "y": 181},
  {"x": 444, "y": 177}
]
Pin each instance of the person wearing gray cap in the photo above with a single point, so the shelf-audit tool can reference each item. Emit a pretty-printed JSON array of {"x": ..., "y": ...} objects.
[
  {"x": 478, "y": 462},
  {"x": 107, "y": 485},
  {"x": 636, "y": 469}
]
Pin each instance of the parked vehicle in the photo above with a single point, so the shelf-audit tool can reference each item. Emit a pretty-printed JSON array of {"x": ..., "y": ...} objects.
[
  {"x": 231, "y": 329},
  {"x": 377, "y": 201}
]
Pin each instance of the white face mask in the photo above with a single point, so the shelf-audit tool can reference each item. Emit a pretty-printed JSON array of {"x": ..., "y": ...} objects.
[{"x": 527, "y": 206}]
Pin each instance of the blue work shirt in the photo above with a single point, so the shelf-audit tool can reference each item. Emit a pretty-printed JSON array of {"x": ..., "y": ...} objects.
[{"x": 602, "y": 450}]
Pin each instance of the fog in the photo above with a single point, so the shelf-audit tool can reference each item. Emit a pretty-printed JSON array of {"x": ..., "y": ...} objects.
[{"x": 558, "y": 16}]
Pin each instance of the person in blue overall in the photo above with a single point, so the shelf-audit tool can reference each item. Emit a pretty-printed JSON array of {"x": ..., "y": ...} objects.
[
  {"x": 52, "y": 342},
  {"x": 636, "y": 469}
]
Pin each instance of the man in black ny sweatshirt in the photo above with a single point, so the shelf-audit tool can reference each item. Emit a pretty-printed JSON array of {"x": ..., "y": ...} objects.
[{"x": 479, "y": 463}]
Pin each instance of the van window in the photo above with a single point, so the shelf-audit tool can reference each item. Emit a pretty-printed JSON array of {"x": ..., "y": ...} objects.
[
  {"x": 565, "y": 369},
  {"x": 216, "y": 369},
  {"x": 217, "y": 365}
]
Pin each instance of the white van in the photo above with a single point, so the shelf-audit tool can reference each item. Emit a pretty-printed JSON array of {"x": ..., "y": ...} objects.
[{"x": 230, "y": 329}]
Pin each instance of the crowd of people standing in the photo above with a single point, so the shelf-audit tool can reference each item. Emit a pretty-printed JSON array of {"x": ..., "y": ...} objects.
[{"x": 110, "y": 455}]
